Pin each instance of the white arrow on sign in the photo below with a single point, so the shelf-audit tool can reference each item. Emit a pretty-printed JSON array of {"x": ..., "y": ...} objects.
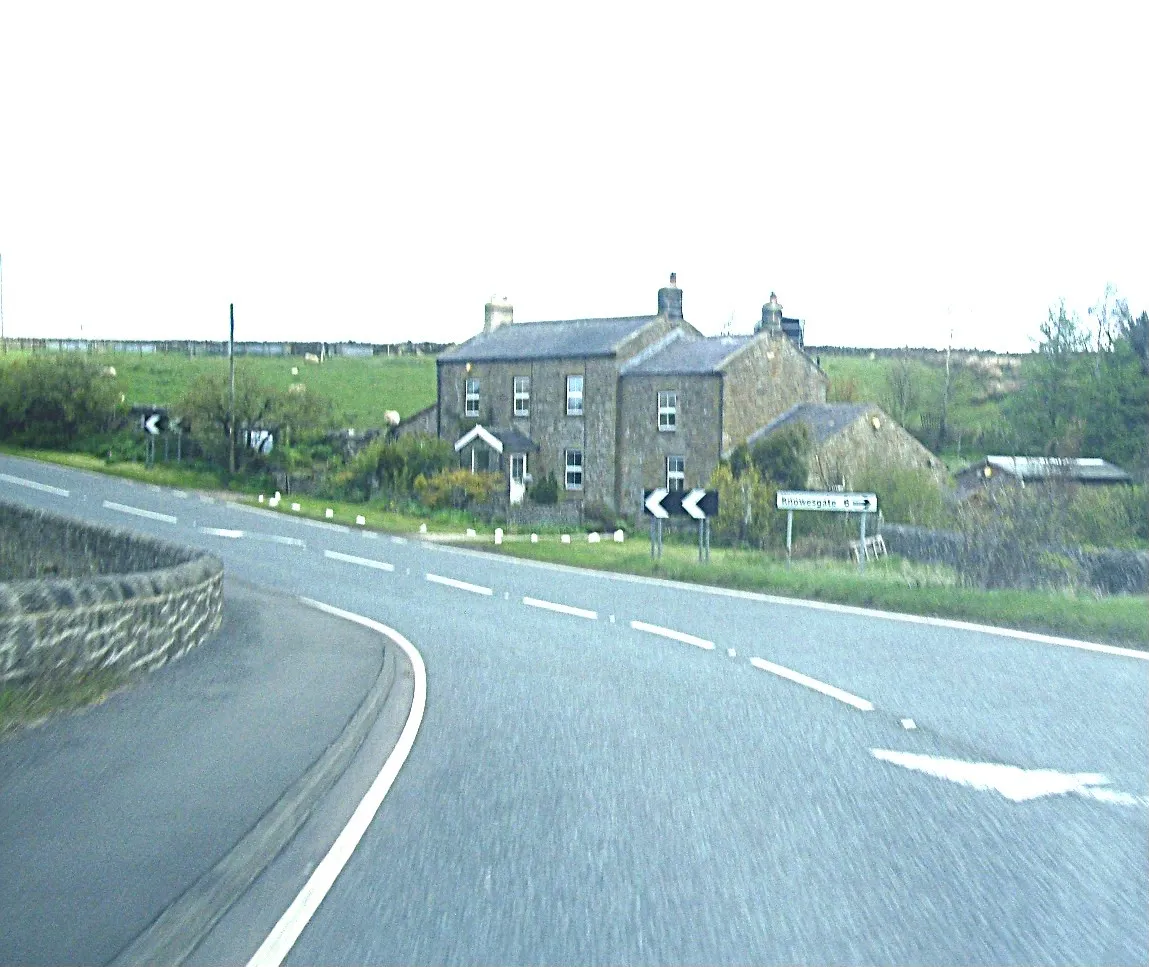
[
  {"x": 654, "y": 503},
  {"x": 1018, "y": 785},
  {"x": 152, "y": 424},
  {"x": 690, "y": 504}
]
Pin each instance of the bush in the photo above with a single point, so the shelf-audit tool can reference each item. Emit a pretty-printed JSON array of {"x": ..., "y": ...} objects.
[
  {"x": 54, "y": 401},
  {"x": 906, "y": 496},
  {"x": 457, "y": 489},
  {"x": 545, "y": 491},
  {"x": 782, "y": 458}
]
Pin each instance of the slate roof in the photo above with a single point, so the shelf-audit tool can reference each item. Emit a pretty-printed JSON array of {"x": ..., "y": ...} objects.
[
  {"x": 824, "y": 419},
  {"x": 1085, "y": 469},
  {"x": 515, "y": 441},
  {"x": 547, "y": 340},
  {"x": 686, "y": 356}
]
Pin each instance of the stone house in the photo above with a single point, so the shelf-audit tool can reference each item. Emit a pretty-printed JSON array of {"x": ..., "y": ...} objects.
[
  {"x": 617, "y": 405},
  {"x": 845, "y": 438}
]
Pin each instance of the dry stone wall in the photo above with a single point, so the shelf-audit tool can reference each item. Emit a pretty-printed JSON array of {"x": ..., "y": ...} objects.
[{"x": 79, "y": 597}]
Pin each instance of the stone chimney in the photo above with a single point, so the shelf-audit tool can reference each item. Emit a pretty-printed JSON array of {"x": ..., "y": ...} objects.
[
  {"x": 771, "y": 317},
  {"x": 497, "y": 312},
  {"x": 670, "y": 299}
]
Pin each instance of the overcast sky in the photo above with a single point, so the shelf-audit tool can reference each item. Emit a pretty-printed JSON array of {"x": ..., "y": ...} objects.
[{"x": 376, "y": 172}]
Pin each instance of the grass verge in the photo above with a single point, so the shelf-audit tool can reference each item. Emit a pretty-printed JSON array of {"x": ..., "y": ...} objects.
[
  {"x": 164, "y": 474},
  {"x": 24, "y": 705},
  {"x": 891, "y": 585}
]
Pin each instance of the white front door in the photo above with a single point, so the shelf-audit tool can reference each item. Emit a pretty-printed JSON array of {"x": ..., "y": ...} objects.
[{"x": 518, "y": 475}]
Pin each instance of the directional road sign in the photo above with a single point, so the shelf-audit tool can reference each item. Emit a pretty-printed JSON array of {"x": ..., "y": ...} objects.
[
  {"x": 701, "y": 504},
  {"x": 662, "y": 503},
  {"x": 152, "y": 423},
  {"x": 827, "y": 500}
]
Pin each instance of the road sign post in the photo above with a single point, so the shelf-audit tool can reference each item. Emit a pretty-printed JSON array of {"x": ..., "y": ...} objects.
[
  {"x": 699, "y": 504},
  {"x": 833, "y": 501}
]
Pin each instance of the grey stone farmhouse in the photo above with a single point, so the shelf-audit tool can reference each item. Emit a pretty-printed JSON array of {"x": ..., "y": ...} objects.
[{"x": 618, "y": 405}]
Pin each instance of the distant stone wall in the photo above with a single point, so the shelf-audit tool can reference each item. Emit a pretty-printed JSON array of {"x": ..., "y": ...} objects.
[
  {"x": 79, "y": 597},
  {"x": 200, "y": 347},
  {"x": 990, "y": 565}
]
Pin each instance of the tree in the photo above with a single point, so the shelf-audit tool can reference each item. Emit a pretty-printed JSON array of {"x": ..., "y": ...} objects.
[
  {"x": 54, "y": 401},
  {"x": 783, "y": 457},
  {"x": 1047, "y": 410},
  {"x": 258, "y": 406},
  {"x": 902, "y": 389}
]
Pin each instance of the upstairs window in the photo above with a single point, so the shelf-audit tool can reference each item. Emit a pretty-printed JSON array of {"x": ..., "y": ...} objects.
[
  {"x": 471, "y": 405},
  {"x": 522, "y": 396},
  {"x": 667, "y": 411},
  {"x": 574, "y": 469},
  {"x": 675, "y": 473},
  {"x": 574, "y": 396}
]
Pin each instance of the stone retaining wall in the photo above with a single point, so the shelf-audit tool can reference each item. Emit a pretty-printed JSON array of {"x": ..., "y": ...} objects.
[
  {"x": 994, "y": 565},
  {"x": 114, "y": 601}
]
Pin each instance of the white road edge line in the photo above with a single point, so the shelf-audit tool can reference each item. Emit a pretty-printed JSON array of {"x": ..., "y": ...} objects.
[
  {"x": 35, "y": 485},
  {"x": 140, "y": 512},
  {"x": 915, "y": 619},
  {"x": 278, "y": 539},
  {"x": 461, "y": 585},
  {"x": 364, "y": 561},
  {"x": 275, "y": 948},
  {"x": 839, "y": 694},
  {"x": 221, "y": 532},
  {"x": 560, "y": 608},
  {"x": 671, "y": 633}
]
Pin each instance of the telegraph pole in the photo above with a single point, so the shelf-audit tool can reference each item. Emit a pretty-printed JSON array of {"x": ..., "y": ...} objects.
[
  {"x": 231, "y": 391},
  {"x": 3, "y": 341}
]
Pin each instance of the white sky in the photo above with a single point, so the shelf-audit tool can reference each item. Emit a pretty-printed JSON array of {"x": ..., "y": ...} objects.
[{"x": 375, "y": 172}]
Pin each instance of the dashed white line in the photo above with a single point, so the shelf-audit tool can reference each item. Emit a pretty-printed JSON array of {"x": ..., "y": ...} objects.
[
  {"x": 140, "y": 512},
  {"x": 362, "y": 561},
  {"x": 277, "y": 539},
  {"x": 35, "y": 485},
  {"x": 338, "y": 528},
  {"x": 675, "y": 635},
  {"x": 206, "y": 500},
  {"x": 731, "y": 652},
  {"x": 561, "y": 608},
  {"x": 799, "y": 678},
  {"x": 221, "y": 532},
  {"x": 398, "y": 540},
  {"x": 461, "y": 585},
  {"x": 370, "y": 535},
  {"x": 182, "y": 494}
]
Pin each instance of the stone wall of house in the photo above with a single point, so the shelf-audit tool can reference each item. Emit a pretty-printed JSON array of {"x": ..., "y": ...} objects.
[
  {"x": 764, "y": 380},
  {"x": 988, "y": 563},
  {"x": 79, "y": 597},
  {"x": 846, "y": 454},
  {"x": 643, "y": 448}
]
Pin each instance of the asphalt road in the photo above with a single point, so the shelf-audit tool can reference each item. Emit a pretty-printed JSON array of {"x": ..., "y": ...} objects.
[{"x": 585, "y": 790}]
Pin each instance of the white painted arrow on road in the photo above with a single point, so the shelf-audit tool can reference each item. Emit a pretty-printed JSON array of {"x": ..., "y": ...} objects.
[
  {"x": 654, "y": 503},
  {"x": 1018, "y": 785},
  {"x": 690, "y": 504}
]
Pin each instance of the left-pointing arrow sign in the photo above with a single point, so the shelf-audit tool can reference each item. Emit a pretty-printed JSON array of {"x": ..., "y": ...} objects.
[
  {"x": 690, "y": 504},
  {"x": 654, "y": 503},
  {"x": 152, "y": 424}
]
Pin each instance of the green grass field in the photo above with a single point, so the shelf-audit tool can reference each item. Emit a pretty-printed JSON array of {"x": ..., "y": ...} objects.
[{"x": 361, "y": 389}]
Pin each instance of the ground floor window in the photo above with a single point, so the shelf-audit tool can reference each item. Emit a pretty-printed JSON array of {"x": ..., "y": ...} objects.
[
  {"x": 574, "y": 469},
  {"x": 675, "y": 473}
]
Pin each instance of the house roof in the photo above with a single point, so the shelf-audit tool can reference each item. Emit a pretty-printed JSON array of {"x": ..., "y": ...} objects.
[
  {"x": 548, "y": 340},
  {"x": 1088, "y": 469},
  {"x": 824, "y": 419},
  {"x": 686, "y": 356}
]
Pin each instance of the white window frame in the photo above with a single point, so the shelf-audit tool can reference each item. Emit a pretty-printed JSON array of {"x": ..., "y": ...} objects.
[
  {"x": 471, "y": 397},
  {"x": 575, "y": 397},
  {"x": 667, "y": 411},
  {"x": 521, "y": 386},
  {"x": 676, "y": 474},
  {"x": 573, "y": 468},
  {"x": 515, "y": 458}
]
